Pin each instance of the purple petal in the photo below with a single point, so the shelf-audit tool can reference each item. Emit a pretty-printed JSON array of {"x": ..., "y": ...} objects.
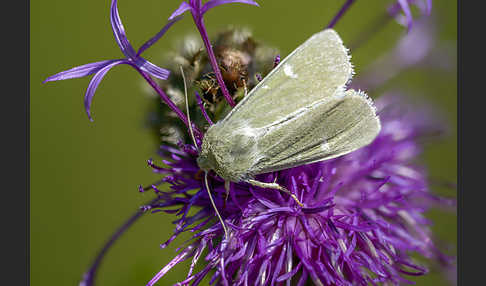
[
  {"x": 203, "y": 110},
  {"x": 425, "y": 6},
  {"x": 195, "y": 4},
  {"x": 428, "y": 6},
  {"x": 289, "y": 274},
  {"x": 152, "y": 69},
  {"x": 80, "y": 71},
  {"x": 213, "y": 3},
  {"x": 408, "y": 13},
  {"x": 93, "y": 84},
  {"x": 119, "y": 31},
  {"x": 182, "y": 8},
  {"x": 158, "y": 35},
  {"x": 179, "y": 258}
]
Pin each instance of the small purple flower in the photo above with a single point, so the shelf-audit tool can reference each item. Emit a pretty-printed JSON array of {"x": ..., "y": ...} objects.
[
  {"x": 406, "y": 19},
  {"x": 131, "y": 58},
  {"x": 363, "y": 215}
]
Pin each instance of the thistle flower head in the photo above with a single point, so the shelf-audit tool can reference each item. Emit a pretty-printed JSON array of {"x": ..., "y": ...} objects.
[{"x": 361, "y": 220}]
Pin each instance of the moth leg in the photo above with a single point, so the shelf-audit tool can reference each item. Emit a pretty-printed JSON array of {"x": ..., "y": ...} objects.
[
  {"x": 245, "y": 87},
  {"x": 274, "y": 186},
  {"x": 227, "y": 188}
]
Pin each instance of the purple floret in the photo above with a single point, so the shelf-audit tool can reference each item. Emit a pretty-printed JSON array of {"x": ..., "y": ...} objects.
[{"x": 99, "y": 69}]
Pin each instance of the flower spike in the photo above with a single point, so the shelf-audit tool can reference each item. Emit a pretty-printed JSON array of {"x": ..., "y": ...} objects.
[{"x": 131, "y": 58}]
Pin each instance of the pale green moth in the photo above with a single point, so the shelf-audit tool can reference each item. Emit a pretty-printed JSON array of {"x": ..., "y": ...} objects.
[{"x": 299, "y": 113}]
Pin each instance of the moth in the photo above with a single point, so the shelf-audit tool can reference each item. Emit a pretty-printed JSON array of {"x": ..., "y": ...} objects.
[{"x": 298, "y": 114}]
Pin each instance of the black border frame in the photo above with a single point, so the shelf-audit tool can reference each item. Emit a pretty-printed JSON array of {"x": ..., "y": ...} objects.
[
  {"x": 15, "y": 118},
  {"x": 16, "y": 121}
]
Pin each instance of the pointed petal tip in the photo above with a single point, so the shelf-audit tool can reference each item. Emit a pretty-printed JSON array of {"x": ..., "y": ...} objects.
[
  {"x": 88, "y": 112},
  {"x": 179, "y": 11},
  {"x": 55, "y": 77},
  {"x": 80, "y": 71},
  {"x": 93, "y": 85}
]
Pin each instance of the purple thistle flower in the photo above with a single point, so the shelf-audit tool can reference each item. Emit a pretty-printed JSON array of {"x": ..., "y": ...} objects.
[
  {"x": 99, "y": 69},
  {"x": 362, "y": 215},
  {"x": 406, "y": 19},
  {"x": 198, "y": 10}
]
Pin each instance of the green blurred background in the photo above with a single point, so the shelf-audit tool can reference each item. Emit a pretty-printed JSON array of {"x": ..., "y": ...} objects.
[{"x": 84, "y": 175}]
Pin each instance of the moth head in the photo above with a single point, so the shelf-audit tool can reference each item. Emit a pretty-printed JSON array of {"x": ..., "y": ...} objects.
[{"x": 206, "y": 161}]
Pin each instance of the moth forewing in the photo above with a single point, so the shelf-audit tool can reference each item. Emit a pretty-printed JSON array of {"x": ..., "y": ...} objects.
[
  {"x": 313, "y": 71},
  {"x": 327, "y": 129}
]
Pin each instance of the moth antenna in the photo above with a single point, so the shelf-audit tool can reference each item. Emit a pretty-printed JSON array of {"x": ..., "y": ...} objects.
[
  {"x": 187, "y": 111},
  {"x": 226, "y": 235}
]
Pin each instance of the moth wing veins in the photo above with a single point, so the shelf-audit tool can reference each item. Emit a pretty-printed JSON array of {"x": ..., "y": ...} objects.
[
  {"x": 313, "y": 71},
  {"x": 333, "y": 127}
]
